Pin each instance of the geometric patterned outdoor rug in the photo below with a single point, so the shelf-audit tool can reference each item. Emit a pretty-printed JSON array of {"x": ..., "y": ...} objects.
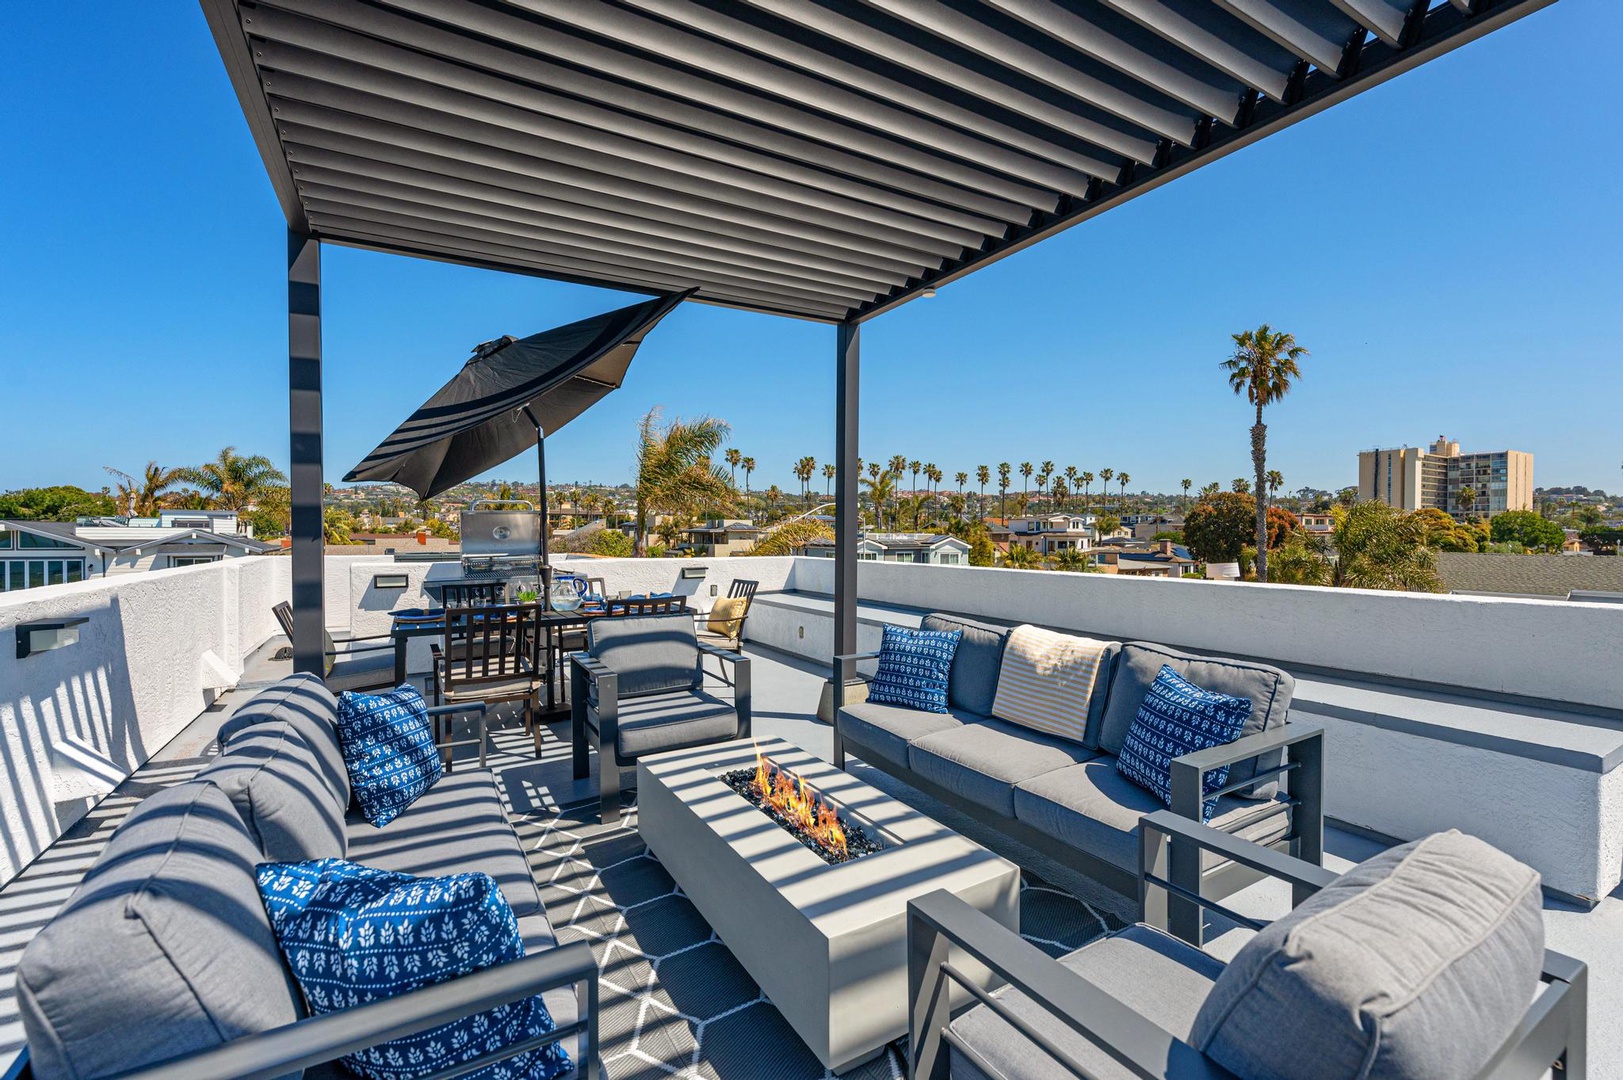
[{"x": 674, "y": 1001}]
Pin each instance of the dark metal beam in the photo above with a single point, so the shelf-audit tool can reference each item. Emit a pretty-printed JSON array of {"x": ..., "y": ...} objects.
[
  {"x": 847, "y": 359},
  {"x": 304, "y": 448}
]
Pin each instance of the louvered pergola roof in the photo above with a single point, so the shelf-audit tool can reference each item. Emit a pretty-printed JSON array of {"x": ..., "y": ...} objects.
[{"x": 827, "y": 159}]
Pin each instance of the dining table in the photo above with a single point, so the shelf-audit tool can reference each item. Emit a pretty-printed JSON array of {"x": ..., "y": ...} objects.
[{"x": 552, "y": 624}]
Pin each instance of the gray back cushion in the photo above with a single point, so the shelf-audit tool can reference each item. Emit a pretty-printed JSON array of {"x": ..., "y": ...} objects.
[
  {"x": 652, "y": 654},
  {"x": 304, "y": 703},
  {"x": 1419, "y": 962},
  {"x": 275, "y": 780},
  {"x": 972, "y": 680},
  {"x": 163, "y": 949},
  {"x": 1269, "y": 689}
]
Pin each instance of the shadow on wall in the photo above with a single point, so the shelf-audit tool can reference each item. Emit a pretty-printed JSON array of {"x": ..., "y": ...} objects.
[{"x": 70, "y": 731}]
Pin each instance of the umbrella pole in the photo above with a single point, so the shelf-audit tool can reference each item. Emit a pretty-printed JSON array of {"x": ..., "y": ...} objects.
[{"x": 541, "y": 499}]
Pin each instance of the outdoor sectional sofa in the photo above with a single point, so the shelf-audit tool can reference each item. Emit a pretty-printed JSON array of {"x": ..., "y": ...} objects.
[
  {"x": 163, "y": 964},
  {"x": 1066, "y": 799}
]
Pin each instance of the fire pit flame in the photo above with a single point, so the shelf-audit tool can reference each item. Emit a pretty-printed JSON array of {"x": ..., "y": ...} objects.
[{"x": 798, "y": 807}]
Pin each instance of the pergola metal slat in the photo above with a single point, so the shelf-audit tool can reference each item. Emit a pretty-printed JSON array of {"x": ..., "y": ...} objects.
[
  {"x": 351, "y": 33},
  {"x": 492, "y": 202},
  {"x": 1150, "y": 68},
  {"x": 322, "y": 199},
  {"x": 1309, "y": 40},
  {"x": 1191, "y": 30},
  {"x": 1383, "y": 17},
  {"x": 909, "y": 54},
  {"x": 950, "y": 24},
  {"x": 362, "y": 140},
  {"x": 710, "y": 181},
  {"x": 587, "y": 269},
  {"x": 412, "y": 78},
  {"x": 947, "y": 130},
  {"x": 884, "y": 161}
]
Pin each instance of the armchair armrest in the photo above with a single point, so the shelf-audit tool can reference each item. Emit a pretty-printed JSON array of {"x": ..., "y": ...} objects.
[
  {"x": 350, "y": 646},
  {"x": 855, "y": 656},
  {"x": 1168, "y": 826},
  {"x": 740, "y": 681},
  {"x": 310, "y": 1042},
  {"x": 723, "y": 654},
  {"x": 1280, "y": 738},
  {"x": 939, "y": 924}
]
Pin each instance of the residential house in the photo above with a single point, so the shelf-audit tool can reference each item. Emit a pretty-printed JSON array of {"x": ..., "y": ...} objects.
[
  {"x": 1050, "y": 534},
  {"x": 935, "y": 549},
  {"x": 729, "y": 536},
  {"x": 1162, "y": 559},
  {"x": 1148, "y": 526},
  {"x": 1318, "y": 524},
  {"x": 39, "y": 553}
]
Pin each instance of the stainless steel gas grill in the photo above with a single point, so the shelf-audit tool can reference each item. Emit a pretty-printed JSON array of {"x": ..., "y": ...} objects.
[{"x": 502, "y": 545}]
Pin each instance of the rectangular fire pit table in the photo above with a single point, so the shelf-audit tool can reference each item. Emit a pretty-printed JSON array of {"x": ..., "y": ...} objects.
[{"x": 826, "y": 942}]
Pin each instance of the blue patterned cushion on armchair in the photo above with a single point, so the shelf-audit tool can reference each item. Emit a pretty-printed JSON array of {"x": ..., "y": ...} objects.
[
  {"x": 389, "y": 750},
  {"x": 353, "y": 934},
  {"x": 914, "y": 666},
  {"x": 1178, "y": 718}
]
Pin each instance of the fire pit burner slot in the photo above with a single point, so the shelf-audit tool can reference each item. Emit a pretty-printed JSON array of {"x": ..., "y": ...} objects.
[{"x": 788, "y": 800}]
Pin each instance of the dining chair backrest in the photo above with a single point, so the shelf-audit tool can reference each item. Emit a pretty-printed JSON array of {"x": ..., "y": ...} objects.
[
  {"x": 745, "y": 588},
  {"x": 648, "y": 605},
  {"x": 473, "y": 593},
  {"x": 494, "y": 644},
  {"x": 284, "y": 617}
]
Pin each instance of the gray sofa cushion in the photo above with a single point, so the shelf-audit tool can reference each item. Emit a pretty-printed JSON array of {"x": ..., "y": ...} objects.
[
  {"x": 1269, "y": 689},
  {"x": 1156, "y": 975},
  {"x": 304, "y": 702},
  {"x": 362, "y": 669},
  {"x": 972, "y": 681},
  {"x": 676, "y": 721},
  {"x": 163, "y": 949},
  {"x": 274, "y": 779},
  {"x": 982, "y": 762},
  {"x": 1419, "y": 962},
  {"x": 650, "y": 653},
  {"x": 1096, "y": 809},
  {"x": 886, "y": 730},
  {"x": 457, "y": 826}
]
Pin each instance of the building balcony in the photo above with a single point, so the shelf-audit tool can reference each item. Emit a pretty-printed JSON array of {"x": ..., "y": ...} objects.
[{"x": 1493, "y": 716}]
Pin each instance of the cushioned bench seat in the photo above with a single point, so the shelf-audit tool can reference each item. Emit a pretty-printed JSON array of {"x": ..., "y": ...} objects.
[
  {"x": 983, "y": 762},
  {"x": 889, "y": 729},
  {"x": 458, "y": 826},
  {"x": 1154, "y": 974}
]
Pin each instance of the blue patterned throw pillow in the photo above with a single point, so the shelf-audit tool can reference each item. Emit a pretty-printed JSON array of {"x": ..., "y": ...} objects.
[
  {"x": 353, "y": 934},
  {"x": 913, "y": 668},
  {"x": 388, "y": 749},
  {"x": 1178, "y": 718}
]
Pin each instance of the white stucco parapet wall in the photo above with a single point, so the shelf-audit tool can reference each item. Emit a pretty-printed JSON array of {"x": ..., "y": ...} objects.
[
  {"x": 1535, "y": 778},
  {"x": 155, "y": 651}
]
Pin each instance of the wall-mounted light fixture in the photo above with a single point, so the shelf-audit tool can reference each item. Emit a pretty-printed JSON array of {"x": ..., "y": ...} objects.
[
  {"x": 391, "y": 581},
  {"x": 44, "y": 636},
  {"x": 928, "y": 293},
  {"x": 694, "y": 572}
]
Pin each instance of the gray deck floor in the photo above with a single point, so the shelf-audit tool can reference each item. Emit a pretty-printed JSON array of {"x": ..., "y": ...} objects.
[{"x": 786, "y": 691}]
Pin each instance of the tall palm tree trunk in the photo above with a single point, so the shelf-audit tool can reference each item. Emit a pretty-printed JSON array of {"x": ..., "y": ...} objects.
[{"x": 1259, "y": 460}]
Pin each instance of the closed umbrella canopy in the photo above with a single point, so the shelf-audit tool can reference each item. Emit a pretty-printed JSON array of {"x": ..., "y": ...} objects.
[{"x": 508, "y": 395}]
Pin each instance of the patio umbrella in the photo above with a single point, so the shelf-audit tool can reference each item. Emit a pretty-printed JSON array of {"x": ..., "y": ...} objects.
[{"x": 509, "y": 396}]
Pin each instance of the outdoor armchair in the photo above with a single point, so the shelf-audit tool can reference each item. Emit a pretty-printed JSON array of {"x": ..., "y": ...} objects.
[
  {"x": 350, "y": 663},
  {"x": 639, "y": 689},
  {"x": 1131, "y": 1004}
]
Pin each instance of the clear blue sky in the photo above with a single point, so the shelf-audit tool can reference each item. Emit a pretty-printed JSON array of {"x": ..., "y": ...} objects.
[{"x": 1448, "y": 246}]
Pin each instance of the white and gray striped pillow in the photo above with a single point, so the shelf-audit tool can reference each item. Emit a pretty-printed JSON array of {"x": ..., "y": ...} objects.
[{"x": 1047, "y": 680}]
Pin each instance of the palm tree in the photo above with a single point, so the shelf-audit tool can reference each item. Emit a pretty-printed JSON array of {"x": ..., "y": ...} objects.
[
  {"x": 1003, "y": 490},
  {"x": 734, "y": 456},
  {"x": 1045, "y": 473},
  {"x": 1465, "y": 500},
  {"x": 829, "y": 472},
  {"x": 1087, "y": 482},
  {"x": 1240, "y": 486},
  {"x": 1210, "y": 489},
  {"x": 805, "y": 469},
  {"x": 1071, "y": 477},
  {"x": 1122, "y": 479},
  {"x": 143, "y": 497},
  {"x": 961, "y": 479},
  {"x": 881, "y": 486},
  {"x": 1025, "y": 481},
  {"x": 1187, "y": 484},
  {"x": 898, "y": 465},
  {"x": 983, "y": 476},
  {"x": 914, "y": 465},
  {"x": 1105, "y": 476},
  {"x": 1276, "y": 480},
  {"x": 234, "y": 482},
  {"x": 1059, "y": 490},
  {"x": 773, "y": 497},
  {"x": 748, "y": 465},
  {"x": 1263, "y": 368},
  {"x": 1020, "y": 557},
  {"x": 674, "y": 472}
]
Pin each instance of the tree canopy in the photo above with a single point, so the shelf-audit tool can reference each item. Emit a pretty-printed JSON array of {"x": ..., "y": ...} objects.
[
  {"x": 64, "y": 502},
  {"x": 1528, "y": 529}
]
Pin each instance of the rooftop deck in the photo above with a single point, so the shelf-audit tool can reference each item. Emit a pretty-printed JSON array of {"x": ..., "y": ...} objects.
[{"x": 675, "y": 1003}]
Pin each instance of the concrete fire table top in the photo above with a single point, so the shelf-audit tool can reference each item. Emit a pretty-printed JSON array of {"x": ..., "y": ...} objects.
[{"x": 826, "y": 942}]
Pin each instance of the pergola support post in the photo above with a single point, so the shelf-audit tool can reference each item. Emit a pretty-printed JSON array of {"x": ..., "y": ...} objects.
[
  {"x": 304, "y": 447},
  {"x": 846, "y": 520}
]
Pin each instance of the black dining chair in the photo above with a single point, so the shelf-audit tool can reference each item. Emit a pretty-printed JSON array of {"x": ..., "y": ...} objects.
[
  {"x": 349, "y": 663},
  {"x": 492, "y": 654}
]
